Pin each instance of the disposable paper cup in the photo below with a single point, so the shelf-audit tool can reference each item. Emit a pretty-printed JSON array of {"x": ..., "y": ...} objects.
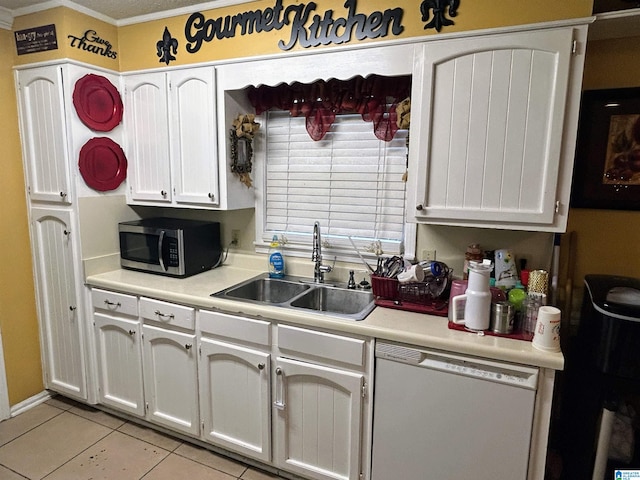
[
  {"x": 547, "y": 333},
  {"x": 415, "y": 273}
]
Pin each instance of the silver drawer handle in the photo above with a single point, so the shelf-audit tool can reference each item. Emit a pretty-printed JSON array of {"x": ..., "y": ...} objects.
[
  {"x": 171, "y": 316},
  {"x": 112, "y": 304}
]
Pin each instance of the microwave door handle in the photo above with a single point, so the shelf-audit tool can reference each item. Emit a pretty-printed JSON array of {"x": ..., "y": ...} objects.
[{"x": 160, "y": 251}]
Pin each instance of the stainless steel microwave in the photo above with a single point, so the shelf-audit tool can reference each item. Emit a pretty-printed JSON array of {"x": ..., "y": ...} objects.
[{"x": 170, "y": 246}]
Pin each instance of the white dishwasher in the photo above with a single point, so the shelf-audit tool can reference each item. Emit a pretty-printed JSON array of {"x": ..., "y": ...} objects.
[{"x": 447, "y": 417}]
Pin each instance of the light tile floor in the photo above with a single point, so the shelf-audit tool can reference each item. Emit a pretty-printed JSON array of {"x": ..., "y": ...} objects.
[{"x": 64, "y": 440}]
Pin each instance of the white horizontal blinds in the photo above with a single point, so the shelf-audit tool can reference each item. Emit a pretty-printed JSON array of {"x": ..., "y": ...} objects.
[{"x": 350, "y": 181}]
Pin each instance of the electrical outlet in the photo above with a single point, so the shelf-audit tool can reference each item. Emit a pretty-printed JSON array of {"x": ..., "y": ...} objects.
[
  {"x": 428, "y": 255},
  {"x": 235, "y": 237}
]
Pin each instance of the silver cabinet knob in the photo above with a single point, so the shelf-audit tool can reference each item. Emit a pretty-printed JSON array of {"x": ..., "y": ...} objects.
[
  {"x": 72, "y": 308},
  {"x": 67, "y": 232},
  {"x": 163, "y": 193},
  {"x": 211, "y": 196},
  {"x": 188, "y": 346},
  {"x": 132, "y": 332},
  {"x": 261, "y": 366},
  {"x": 63, "y": 195},
  {"x": 419, "y": 207}
]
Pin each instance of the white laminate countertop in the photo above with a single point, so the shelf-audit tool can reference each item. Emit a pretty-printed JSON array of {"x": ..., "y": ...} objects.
[{"x": 383, "y": 323}]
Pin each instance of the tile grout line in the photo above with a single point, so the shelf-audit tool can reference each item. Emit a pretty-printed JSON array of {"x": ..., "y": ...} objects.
[
  {"x": 17, "y": 473},
  {"x": 81, "y": 452},
  {"x": 112, "y": 430},
  {"x": 36, "y": 426}
]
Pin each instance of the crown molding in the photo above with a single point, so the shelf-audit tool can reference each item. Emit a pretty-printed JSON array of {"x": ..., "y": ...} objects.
[
  {"x": 62, "y": 3},
  {"x": 6, "y": 18}
]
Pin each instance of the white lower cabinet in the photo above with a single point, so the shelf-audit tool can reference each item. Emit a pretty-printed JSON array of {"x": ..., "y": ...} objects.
[
  {"x": 317, "y": 420},
  {"x": 213, "y": 377},
  {"x": 119, "y": 351},
  {"x": 171, "y": 378},
  {"x": 235, "y": 383},
  {"x": 234, "y": 398},
  {"x": 170, "y": 365},
  {"x": 55, "y": 246},
  {"x": 319, "y": 394}
]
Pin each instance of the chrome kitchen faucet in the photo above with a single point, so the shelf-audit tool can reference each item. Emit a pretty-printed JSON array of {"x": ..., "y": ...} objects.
[{"x": 316, "y": 256}]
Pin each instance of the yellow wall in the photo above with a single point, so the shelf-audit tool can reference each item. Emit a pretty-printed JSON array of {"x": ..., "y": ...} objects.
[
  {"x": 68, "y": 22},
  {"x": 607, "y": 240},
  {"x": 18, "y": 320}
]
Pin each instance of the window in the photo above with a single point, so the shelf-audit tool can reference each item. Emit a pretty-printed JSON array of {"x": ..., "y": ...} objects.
[{"x": 350, "y": 181}]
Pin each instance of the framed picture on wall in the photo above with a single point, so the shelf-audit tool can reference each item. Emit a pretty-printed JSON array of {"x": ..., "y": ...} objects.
[{"x": 607, "y": 165}]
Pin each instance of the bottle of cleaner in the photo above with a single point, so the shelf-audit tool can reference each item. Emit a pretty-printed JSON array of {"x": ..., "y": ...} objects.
[{"x": 276, "y": 259}]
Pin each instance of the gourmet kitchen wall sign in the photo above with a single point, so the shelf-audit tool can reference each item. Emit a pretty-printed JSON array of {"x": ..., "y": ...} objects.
[{"x": 310, "y": 28}]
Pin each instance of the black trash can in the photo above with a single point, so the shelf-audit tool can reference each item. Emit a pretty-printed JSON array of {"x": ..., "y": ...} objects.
[{"x": 602, "y": 371}]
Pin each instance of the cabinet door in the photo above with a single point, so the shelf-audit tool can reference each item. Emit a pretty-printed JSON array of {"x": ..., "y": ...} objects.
[
  {"x": 119, "y": 354},
  {"x": 44, "y": 134},
  {"x": 487, "y": 128},
  {"x": 317, "y": 420},
  {"x": 235, "y": 405},
  {"x": 146, "y": 120},
  {"x": 60, "y": 310},
  {"x": 194, "y": 157},
  {"x": 170, "y": 379}
]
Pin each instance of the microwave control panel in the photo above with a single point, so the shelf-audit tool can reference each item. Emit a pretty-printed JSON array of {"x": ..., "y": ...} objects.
[{"x": 172, "y": 249}]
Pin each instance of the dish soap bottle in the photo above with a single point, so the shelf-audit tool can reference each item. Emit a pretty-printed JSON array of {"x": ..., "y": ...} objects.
[{"x": 276, "y": 259}]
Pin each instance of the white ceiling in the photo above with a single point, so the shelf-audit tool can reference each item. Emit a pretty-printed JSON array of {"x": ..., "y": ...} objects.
[{"x": 113, "y": 9}]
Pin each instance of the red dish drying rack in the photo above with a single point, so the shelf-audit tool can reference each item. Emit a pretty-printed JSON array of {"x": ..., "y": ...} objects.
[{"x": 413, "y": 297}]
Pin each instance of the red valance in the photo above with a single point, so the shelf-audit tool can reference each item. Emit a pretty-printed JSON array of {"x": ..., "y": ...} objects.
[{"x": 374, "y": 97}]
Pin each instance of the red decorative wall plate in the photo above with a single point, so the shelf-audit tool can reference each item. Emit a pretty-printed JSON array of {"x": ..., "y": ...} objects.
[
  {"x": 102, "y": 164},
  {"x": 97, "y": 103}
]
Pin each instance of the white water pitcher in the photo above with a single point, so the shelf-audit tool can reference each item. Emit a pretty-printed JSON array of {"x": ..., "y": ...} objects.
[{"x": 476, "y": 299}]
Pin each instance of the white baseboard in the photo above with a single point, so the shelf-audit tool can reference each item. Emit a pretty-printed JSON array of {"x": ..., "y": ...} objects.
[{"x": 30, "y": 402}]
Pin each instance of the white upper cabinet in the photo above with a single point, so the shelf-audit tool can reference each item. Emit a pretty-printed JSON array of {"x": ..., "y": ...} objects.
[
  {"x": 43, "y": 128},
  {"x": 493, "y": 129},
  {"x": 192, "y": 110},
  {"x": 172, "y": 142},
  {"x": 146, "y": 117}
]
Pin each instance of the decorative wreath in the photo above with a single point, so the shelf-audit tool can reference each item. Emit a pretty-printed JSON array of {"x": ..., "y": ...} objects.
[{"x": 241, "y": 136}]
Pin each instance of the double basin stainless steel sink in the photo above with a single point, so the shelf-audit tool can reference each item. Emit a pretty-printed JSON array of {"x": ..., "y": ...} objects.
[{"x": 303, "y": 294}]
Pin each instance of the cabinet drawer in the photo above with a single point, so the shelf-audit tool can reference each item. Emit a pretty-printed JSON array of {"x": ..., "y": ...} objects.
[
  {"x": 113, "y": 302},
  {"x": 167, "y": 313},
  {"x": 237, "y": 328},
  {"x": 310, "y": 343}
]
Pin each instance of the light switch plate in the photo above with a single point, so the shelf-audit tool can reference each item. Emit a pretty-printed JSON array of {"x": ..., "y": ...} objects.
[{"x": 428, "y": 255}]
